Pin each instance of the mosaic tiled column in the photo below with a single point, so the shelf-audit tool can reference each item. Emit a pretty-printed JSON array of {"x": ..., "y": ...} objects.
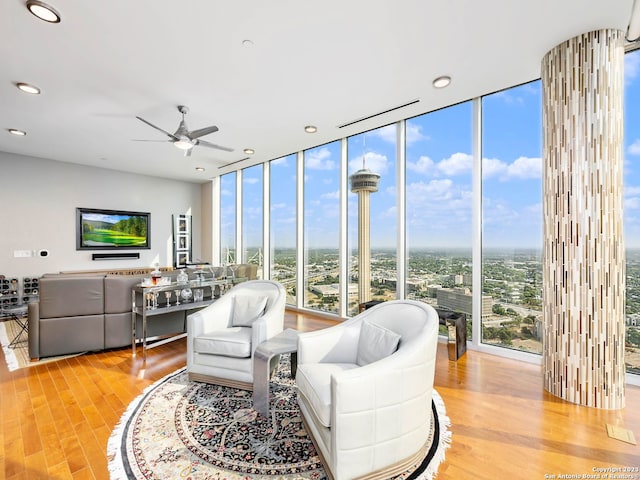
[{"x": 583, "y": 256}]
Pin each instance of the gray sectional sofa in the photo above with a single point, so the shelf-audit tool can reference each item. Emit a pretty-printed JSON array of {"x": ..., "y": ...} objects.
[{"x": 78, "y": 313}]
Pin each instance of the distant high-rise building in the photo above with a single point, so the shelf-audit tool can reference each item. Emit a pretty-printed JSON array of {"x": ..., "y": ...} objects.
[{"x": 364, "y": 182}]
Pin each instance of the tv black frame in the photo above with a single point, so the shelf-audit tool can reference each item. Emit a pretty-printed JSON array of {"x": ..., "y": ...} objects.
[{"x": 80, "y": 211}]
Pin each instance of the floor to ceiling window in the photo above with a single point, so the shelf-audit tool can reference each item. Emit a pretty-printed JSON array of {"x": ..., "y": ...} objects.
[
  {"x": 439, "y": 208},
  {"x": 373, "y": 153},
  {"x": 321, "y": 227},
  {"x": 252, "y": 206},
  {"x": 632, "y": 209},
  {"x": 228, "y": 218},
  {"x": 438, "y": 221},
  {"x": 283, "y": 224},
  {"x": 512, "y": 218}
]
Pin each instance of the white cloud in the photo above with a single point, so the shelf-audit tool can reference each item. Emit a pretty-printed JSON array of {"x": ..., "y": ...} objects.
[
  {"x": 319, "y": 160},
  {"x": 630, "y": 191},
  {"x": 525, "y": 167},
  {"x": 390, "y": 212},
  {"x": 509, "y": 98},
  {"x": 225, "y": 192},
  {"x": 414, "y": 133},
  {"x": 492, "y": 167},
  {"x": 634, "y": 148},
  {"x": 427, "y": 193},
  {"x": 632, "y": 203},
  {"x": 535, "y": 210},
  {"x": 424, "y": 165},
  {"x": 375, "y": 162},
  {"x": 456, "y": 164},
  {"x": 286, "y": 220},
  {"x": 331, "y": 195},
  {"x": 251, "y": 180},
  {"x": 631, "y": 67},
  {"x": 278, "y": 206},
  {"x": 388, "y": 133},
  {"x": 438, "y": 205},
  {"x": 280, "y": 162},
  {"x": 462, "y": 164}
]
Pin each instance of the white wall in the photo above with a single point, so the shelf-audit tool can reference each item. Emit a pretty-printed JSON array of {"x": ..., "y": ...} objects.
[{"x": 38, "y": 200}]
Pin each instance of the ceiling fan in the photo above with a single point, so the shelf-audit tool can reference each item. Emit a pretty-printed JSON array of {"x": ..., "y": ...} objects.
[{"x": 186, "y": 139}]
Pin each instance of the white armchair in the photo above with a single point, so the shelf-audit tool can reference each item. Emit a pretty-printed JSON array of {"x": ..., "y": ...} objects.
[
  {"x": 366, "y": 404},
  {"x": 222, "y": 337}
]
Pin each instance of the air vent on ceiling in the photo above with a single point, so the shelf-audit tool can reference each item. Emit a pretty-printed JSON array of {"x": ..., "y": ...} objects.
[
  {"x": 233, "y": 163},
  {"x": 378, "y": 114}
]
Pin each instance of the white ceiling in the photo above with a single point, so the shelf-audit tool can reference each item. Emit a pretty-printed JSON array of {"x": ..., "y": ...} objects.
[{"x": 323, "y": 63}]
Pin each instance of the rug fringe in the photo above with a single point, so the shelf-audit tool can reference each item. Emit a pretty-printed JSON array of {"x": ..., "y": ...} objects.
[
  {"x": 9, "y": 354},
  {"x": 114, "y": 455},
  {"x": 444, "y": 441}
]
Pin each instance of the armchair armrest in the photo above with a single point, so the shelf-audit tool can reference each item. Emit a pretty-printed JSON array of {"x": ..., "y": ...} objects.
[
  {"x": 337, "y": 344},
  {"x": 268, "y": 325}
]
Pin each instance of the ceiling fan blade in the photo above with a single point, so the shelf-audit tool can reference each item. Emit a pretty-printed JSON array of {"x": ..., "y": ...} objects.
[
  {"x": 170, "y": 135},
  {"x": 145, "y": 140},
  {"x": 201, "y": 132},
  {"x": 212, "y": 145}
]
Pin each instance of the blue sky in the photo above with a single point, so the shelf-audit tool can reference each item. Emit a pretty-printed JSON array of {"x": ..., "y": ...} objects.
[{"x": 439, "y": 168}]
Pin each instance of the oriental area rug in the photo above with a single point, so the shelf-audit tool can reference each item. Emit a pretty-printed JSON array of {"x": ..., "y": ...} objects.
[{"x": 182, "y": 429}]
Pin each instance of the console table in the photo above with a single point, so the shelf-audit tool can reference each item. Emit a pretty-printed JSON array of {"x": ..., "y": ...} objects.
[{"x": 148, "y": 308}]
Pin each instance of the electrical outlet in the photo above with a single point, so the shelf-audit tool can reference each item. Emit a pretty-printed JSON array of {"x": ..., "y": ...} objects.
[{"x": 22, "y": 253}]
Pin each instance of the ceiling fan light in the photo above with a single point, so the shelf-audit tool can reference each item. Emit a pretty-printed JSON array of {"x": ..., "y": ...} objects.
[
  {"x": 43, "y": 11},
  {"x": 183, "y": 144}
]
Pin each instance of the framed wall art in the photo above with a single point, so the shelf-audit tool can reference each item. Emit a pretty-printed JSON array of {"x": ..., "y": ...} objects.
[{"x": 181, "y": 240}]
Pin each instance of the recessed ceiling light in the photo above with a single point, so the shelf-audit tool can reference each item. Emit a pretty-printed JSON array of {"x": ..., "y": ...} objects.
[
  {"x": 442, "y": 82},
  {"x": 43, "y": 11},
  {"x": 311, "y": 129},
  {"x": 15, "y": 131},
  {"x": 247, "y": 43},
  {"x": 199, "y": 169},
  {"x": 249, "y": 151},
  {"x": 25, "y": 87}
]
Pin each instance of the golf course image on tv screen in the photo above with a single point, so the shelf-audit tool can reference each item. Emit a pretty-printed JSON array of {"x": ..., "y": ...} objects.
[{"x": 111, "y": 229}]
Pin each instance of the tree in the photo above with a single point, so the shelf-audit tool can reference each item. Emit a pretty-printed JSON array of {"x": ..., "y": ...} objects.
[{"x": 498, "y": 309}]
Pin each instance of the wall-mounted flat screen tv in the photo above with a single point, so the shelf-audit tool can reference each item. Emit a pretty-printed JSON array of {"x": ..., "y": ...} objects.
[{"x": 98, "y": 229}]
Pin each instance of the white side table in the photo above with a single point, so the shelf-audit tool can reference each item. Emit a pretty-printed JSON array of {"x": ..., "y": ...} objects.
[{"x": 267, "y": 353}]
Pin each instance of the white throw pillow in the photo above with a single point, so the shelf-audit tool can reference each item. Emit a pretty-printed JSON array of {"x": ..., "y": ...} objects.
[
  {"x": 246, "y": 309},
  {"x": 375, "y": 343}
]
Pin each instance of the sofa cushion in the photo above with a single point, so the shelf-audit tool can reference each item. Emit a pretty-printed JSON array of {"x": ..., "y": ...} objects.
[
  {"x": 375, "y": 343},
  {"x": 71, "y": 296},
  {"x": 314, "y": 382},
  {"x": 247, "y": 309},
  {"x": 117, "y": 292},
  {"x": 231, "y": 342}
]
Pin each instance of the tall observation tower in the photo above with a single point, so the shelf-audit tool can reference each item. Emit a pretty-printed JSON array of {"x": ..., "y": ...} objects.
[{"x": 364, "y": 182}]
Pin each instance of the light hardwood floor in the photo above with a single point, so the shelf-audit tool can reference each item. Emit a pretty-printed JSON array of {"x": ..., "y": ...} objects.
[{"x": 56, "y": 418}]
